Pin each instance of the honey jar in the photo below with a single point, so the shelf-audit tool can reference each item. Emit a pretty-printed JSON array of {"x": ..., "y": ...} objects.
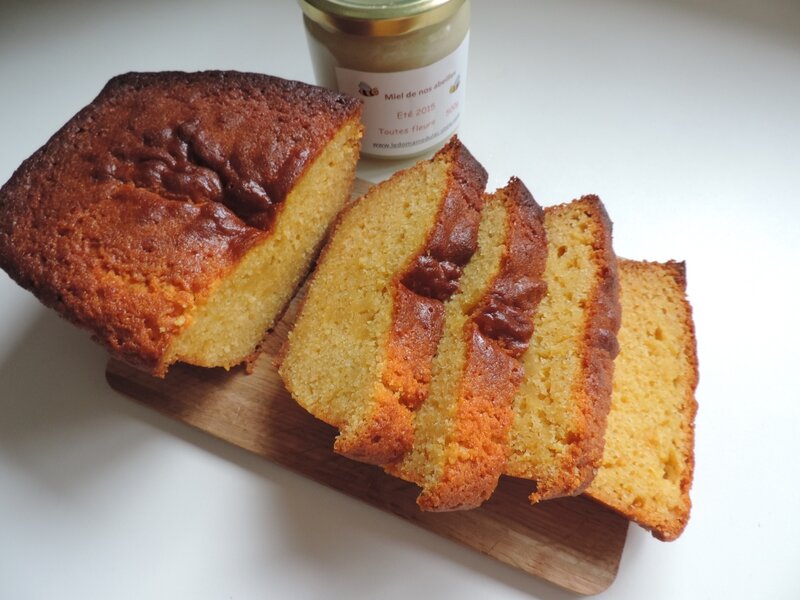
[{"x": 406, "y": 59}]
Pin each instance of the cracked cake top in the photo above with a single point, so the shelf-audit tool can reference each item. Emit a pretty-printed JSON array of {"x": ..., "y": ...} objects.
[{"x": 154, "y": 191}]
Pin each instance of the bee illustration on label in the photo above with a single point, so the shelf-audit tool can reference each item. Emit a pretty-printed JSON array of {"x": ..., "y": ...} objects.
[
  {"x": 367, "y": 90},
  {"x": 455, "y": 85}
]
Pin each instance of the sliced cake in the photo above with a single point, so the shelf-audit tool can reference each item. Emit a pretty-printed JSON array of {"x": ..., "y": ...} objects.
[
  {"x": 359, "y": 355},
  {"x": 560, "y": 410},
  {"x": 176, "y": 214},
  {"x": 648, "y": 461},
  {"x": 460, "y": 430}
]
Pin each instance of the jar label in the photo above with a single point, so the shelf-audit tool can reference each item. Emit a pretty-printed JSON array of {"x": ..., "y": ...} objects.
[{"x": 407, "y": 112}]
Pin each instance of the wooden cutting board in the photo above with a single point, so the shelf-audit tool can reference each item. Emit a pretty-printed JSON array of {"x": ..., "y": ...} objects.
[{"x": 572, "y": 542}]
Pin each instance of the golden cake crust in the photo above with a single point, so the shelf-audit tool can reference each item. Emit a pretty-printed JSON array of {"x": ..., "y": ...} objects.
[
  {"x": 432, "y": 278},
  {"x": 497, "y": 334},
  {"x": 130, "y": 213}
]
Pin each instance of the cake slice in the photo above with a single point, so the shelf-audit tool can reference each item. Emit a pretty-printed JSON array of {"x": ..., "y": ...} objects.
[
  {"x": 459, "y": 449},
  {"x": 648, "y": 460},
  {"x": 560, "y": 410},
  {"x": 175, "y": 216},
  {"x": 359, "y": 355}
]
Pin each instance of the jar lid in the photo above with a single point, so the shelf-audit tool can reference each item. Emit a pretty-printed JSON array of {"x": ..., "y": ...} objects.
[{"x": 379, "y": 17}]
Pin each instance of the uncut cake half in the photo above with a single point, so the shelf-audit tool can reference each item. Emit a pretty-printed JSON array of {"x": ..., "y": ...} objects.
[{"x": 176, "y": 214}]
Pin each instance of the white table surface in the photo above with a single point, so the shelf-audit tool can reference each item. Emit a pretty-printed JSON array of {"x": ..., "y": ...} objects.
[{"x": 683, "y": 116}]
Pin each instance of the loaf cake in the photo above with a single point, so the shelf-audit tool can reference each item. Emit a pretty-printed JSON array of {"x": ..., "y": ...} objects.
[
  {"x": 560, "y": 410},
  {"x": 459, "y": 449},
  {"x": 648, "y": 460},
  {"x": 359, "y": 355},
  {"x": 176, "y": 214}
]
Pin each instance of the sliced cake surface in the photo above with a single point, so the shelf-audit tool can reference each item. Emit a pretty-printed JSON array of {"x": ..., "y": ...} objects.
[
  {"x": 648, "y": 462},
  {"x": 359, "y": 355},
  {"x": 175, "y": 215},
  {"x": 560, "y": 410},
  {"x": 459, "y": 449}
]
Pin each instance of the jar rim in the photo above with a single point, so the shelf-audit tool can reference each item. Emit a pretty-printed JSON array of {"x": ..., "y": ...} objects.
[{"x": 379, "y": 17}]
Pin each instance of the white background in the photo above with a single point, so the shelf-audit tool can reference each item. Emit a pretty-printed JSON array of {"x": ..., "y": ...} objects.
[{"x": 683, "y": 116}]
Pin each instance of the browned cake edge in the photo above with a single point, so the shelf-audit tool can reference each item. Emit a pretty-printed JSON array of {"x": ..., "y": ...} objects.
[
  {"x": 432, "y": 278},
  {"x": 670, "y": 530},
  {"x": 143, "y": 351},
  {"x": 497, "y": 334},
  {"x": 420, "y": 291},
  {"x": 599, "y": 347}
]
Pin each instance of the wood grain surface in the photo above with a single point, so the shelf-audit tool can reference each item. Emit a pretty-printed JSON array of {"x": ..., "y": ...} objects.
[{"x": 571, "y": 542}]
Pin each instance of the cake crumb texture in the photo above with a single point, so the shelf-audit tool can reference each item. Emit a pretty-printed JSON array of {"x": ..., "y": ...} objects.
[
  {"x": 459, "y": 449},
  {"x": 359, "y": 354},
  {"x": 560, "y": 410},
  {"x": 648, "y": 462}
]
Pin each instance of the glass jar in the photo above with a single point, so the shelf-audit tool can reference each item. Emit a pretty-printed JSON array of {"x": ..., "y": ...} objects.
[{"x": 406, "y": 59}]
